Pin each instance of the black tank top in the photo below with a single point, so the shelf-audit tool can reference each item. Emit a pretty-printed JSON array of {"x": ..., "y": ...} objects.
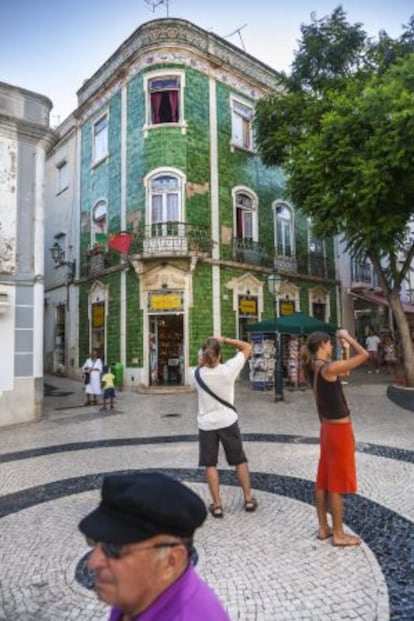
[{"x": 330, "y": 399}]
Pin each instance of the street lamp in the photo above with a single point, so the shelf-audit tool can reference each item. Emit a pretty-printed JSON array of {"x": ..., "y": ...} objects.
[
  {"x": 274, "y": 281},
  {"x": 58, "y": 255}
]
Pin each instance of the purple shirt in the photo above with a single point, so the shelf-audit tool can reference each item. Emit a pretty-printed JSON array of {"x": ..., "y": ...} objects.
[{"x": 187, "y": 599}]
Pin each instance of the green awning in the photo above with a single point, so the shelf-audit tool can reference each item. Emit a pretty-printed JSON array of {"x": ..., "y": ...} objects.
[{"x": 296, "y": 323}]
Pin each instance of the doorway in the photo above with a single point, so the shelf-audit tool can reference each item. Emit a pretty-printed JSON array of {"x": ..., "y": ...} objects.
[{"x": 166, "y": 350}]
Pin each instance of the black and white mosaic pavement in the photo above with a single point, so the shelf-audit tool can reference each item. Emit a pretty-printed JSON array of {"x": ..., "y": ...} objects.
[{"x": 266, "y": 566}]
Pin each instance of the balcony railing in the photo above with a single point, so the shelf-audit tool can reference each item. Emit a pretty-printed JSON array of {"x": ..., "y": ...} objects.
[
  {"x": 363, "y": 272},
  {"x": 248, "y": 251},
  {"x": 171, "y": 239},
  {"x": 315, "y": 265}
]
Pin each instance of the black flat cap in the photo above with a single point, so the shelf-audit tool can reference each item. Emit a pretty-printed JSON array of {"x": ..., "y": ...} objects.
[{"x": 135, "y": 507}]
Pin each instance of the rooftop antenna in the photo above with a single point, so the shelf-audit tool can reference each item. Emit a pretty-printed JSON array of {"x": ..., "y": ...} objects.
[
  {"x": 237, "y": 31},
  {"x": 154, "y": 3}
]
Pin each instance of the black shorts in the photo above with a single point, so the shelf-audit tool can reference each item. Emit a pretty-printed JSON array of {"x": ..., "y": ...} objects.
[{"x": 232, "y": 444}]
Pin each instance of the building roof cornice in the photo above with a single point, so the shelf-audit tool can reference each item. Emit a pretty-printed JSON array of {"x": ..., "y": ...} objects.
[{"x": 169, "y": 33}]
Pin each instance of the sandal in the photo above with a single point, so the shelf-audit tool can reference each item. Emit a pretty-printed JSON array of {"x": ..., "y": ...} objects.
[
  {"x": 250, "y": 505},
  {"x": 216, "y": 511}
]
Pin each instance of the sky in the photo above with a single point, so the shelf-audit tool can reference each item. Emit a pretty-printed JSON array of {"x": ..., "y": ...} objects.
[{"x": 53, "y": 46}]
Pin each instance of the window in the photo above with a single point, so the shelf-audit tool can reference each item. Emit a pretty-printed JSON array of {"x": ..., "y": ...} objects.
[
  {"x": 315, "y": 244},
  {"x": 245, "y": 213},
  {"x": 241, "y": 122},
  {"x": 62, "y": 176},
  {"x": 165, "y": 199},
  {"x": 164, "y": 98},
  {"x": 99, "y": 224},
  {"x": 100, "y": 139},
  {"x": 284, "y": 230}
]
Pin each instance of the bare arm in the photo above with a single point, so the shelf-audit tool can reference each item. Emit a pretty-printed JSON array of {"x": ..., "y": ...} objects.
[
  {"x": 342, "y": 367},
  {"x": 243, "y": 346}
]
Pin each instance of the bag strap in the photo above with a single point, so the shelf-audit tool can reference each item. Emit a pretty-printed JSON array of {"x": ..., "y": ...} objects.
[{"x": 204, "y": 386}]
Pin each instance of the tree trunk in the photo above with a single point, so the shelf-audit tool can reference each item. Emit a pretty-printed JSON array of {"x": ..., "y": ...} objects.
[{"x": 404, "y": 330}]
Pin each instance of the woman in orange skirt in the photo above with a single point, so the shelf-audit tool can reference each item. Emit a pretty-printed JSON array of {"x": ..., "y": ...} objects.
[{"x": 336, "y": 469}]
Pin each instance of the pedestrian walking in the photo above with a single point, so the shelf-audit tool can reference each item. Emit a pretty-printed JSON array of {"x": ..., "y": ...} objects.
[
  {"x": 92, "y": 370},
  {"x": 142, "y": 544},
  {"x": 218, "y": 418},
  {"x": 372, "y": 343},
  {"x": 336, "y": 469}
]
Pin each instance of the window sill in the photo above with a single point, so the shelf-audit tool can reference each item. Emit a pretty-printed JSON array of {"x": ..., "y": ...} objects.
[
  {"x": 99, "y": 162},
  {"x": 182, "y": 125},
  {"x": 234, "y": 146}
]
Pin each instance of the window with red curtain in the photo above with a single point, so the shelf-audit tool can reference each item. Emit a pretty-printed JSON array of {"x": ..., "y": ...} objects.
[{"x": 165, "y": 99}]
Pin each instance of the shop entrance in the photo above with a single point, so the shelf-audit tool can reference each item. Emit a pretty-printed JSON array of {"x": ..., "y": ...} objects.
[{"x": 166, "y": 349}]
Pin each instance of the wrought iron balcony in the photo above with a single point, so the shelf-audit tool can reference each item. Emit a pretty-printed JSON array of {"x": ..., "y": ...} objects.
[
  {"x": 245, "y": 251},
  {"x": 315, "y": 265},
  {"x": 171, "y": 239}
]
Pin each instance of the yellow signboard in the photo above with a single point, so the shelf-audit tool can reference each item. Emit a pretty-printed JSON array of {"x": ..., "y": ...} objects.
[
  {"x": 168, "y": 301},
  {"x": 287, "y": 307},
  {"x": 98, "y": 316},
  {"x": 248, "y": 306}
]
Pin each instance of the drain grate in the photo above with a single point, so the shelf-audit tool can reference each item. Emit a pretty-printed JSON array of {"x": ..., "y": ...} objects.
[{"x": 171, "y": 415}]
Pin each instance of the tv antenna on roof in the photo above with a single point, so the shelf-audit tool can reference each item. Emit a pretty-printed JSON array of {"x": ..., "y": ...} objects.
[
  {"x": 237, "y": 31},
  {"x": 154, "y": 3}
]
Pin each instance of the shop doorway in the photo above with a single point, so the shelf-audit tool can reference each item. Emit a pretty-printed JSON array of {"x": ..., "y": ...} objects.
[{"x": 166, "y": 350}]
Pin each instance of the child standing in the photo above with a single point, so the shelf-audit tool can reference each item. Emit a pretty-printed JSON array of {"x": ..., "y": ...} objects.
[{"x": 108, "y": 385}]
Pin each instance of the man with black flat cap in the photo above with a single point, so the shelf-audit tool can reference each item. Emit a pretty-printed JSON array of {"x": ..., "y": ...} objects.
[{"x": 142, "y": 535}]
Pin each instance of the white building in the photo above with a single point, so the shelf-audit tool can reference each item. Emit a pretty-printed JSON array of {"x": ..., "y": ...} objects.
[{"x": 25, "y": 136}]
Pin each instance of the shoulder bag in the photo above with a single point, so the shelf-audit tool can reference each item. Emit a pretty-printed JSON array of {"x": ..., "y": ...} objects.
[{"x": 204, "y": 386}]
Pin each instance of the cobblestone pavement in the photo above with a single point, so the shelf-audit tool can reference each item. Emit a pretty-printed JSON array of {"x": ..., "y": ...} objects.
[{"x": 266, "y": 566}]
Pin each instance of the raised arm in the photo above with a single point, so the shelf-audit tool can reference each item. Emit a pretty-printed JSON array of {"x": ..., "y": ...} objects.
[
  {"x": 342, "y": 367},
  {"x": 243, "y": 346}
]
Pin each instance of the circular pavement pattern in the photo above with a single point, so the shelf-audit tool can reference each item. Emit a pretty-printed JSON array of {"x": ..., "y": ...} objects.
[{"x": 266, "y": 566}]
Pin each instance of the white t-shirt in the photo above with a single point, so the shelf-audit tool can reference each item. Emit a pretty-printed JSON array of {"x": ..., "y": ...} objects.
[
  {"x": 220, "y": 379},
  {"x": 372, "y": 342}
]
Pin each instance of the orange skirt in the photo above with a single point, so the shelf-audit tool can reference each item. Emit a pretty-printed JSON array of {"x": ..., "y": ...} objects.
[{"x": 336, "y": 468}]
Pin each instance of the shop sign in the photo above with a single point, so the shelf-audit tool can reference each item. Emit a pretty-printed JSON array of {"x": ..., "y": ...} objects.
[
  {"x": 165, "y": 302},
  {"x": 247, "y": 306},
  {"x": 98, "y": 316},
  {"x": 287, "y": 307}
]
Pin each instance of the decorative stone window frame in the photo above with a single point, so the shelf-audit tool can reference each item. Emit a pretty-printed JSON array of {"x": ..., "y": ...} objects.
[
  {"x": 159, "y": 172},
  {"x": 98, "y": 159},
  {"x": 246, "y": 285},
  {"x": 320, "y": 295},
  {"x": 93, "y": 223},
  {"x": 159, "y": 73},
  {"x": 248, "y": 105},
  {"x": 241, "y": 189},
  {"x": 98, "y": 293},
  {"x": 275, "y": 205},
  {"x": 289, "y": 293}
]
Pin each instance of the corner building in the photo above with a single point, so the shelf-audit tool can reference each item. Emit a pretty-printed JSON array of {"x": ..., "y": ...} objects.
[{"x": 167, "y": 155}]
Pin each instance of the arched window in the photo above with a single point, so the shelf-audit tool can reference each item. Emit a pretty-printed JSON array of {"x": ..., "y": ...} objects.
[
  {"x": 165, "y": 199},
  {"x": 99, "y": 222},
  {"x": 245, "y": 210},
  {"x": 283, "y": 230}
]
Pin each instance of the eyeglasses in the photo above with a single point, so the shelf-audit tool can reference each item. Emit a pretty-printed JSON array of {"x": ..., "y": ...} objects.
[{"x": 115, "y": 550}]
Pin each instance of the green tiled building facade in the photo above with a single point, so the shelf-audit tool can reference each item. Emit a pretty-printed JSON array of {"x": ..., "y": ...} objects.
[{"x": 167, "y": 166}]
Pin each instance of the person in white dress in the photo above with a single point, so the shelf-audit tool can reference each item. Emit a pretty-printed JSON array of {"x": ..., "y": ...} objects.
[{"x": 92, "y": 370}]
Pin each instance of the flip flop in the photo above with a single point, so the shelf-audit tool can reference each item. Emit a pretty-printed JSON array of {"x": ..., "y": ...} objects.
[
  {"x": 250, "y": 505},
  {"x": 216, "y": 511}
]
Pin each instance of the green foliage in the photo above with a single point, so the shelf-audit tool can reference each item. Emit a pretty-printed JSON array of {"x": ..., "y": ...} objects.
[
  {"x": 343, "y": 129},
  {"x": 330, "y": 50}
]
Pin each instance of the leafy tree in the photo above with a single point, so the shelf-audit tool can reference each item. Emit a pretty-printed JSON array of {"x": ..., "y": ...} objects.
[{"x": 343, "y": 129}]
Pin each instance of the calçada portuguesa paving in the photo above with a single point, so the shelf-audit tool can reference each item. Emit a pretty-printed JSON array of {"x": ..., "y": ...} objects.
[{"x": 265, "y": 566}]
